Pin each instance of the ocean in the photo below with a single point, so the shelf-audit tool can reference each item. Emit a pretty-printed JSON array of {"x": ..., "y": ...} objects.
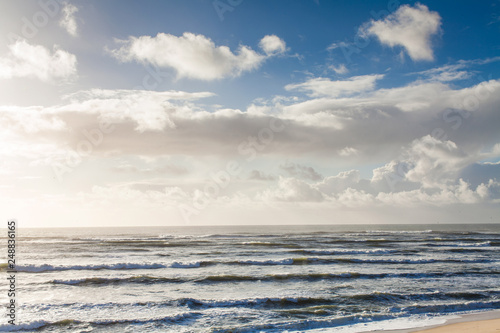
[{"x": 335, "y": 278}]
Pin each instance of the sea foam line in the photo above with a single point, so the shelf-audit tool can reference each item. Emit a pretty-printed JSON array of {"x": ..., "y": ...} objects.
[
  {"x": 225, "y": 278},
  {"x": 269, "y": 262},
  {"x": 40, "y": 324},
  {"x": 118, "y": 266}
]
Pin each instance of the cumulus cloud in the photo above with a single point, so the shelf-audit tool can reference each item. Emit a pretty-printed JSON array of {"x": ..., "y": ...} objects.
[
  {"x": 272, "y": 44},
  {"x": 36, "y": 61},
  {"x": 68, "y": 21},
  {"x": 459, "y": 193},
  {"x": 196, "y": 56},
  {"x": 428, "y": 163},
  {"x": 431, "y": 173},
  {"x": 435, "y": 163},
  {"x": 409, "y": 27},
  {"x": 479, "y": 173},
  {"x": 391, "y": 177},
  {"x": 260, "y": 175},
  {"x": 348, "y": 151},
  {"x": 301, "y": 171},
  {"x": 149, "y": 110},
  {"x": 292, "y": 190},
  {"x": 318, "y": 87},
  {"x": 339, "y": 183},
  {"x": 349, "y": 189}
]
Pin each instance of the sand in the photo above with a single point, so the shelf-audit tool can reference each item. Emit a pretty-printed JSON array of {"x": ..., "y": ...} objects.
[
  {"x": 482, "y": 322},
  {"x": 481, "y": 326}
]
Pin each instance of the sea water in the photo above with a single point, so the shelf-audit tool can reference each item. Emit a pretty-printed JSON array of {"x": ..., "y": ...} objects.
[{"x": 251, "y": 278}]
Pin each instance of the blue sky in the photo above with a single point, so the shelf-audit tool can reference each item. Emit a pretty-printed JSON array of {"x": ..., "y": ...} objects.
[{"x": 361, "y": 110}]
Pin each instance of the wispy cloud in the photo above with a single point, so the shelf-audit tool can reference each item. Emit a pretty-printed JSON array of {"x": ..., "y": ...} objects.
[
  {"x": 326, "y": 87},
  {"x": 68, "y": 20},
  {"x": 340, "y": 69},
  {"x": 452, "y": 72}
]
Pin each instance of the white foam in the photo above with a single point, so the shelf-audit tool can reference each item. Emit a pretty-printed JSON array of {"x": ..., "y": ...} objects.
[
  {"x": 349, "y": 251},
  {"x": 185, "y": 265},
  {"x": 288, "y": 261},
  {"x": 118, "y": 266},
  {"x": 384, "y": 325},
  {"x": 23, "y": 327}
]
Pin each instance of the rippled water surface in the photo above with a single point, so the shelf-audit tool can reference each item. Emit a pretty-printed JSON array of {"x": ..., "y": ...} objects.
[{"x": 252, "y": 279}]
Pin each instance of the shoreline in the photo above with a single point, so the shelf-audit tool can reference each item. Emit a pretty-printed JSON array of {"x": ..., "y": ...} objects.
[{"x": 480, "y": 322}]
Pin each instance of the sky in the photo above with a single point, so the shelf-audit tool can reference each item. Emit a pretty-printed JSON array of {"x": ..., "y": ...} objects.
[{"x": 208, "y": 112}]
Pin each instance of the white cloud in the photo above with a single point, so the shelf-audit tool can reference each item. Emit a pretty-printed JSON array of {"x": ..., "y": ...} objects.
[
  {"x": 428, "y": 164},
  {"x": 348, "y": 151},
  {"x": 162, "y": 169},
  {"x": 260, "y": 175},
  {"x": 292, "y": 190},
  {"x": 340, "y": 69},
  {"x": 391, "y": 177},
  {"x": 339, "y": 183},
  {"x": 455, "y": 71},
  {"x": 348, "y": 189},
  {"x": 423, "y": 168},
  {"x": 355, "y": 198},
  {"x": 27, "y": 60},
  {"x": 325, "y": 87},
  {"x": 459, "y": 193},
  {"x": 378, "y": 125},
  {"x": 29, "y": 120},
  {"x": 68, "y": 21},
  {"x": 446, "y": 73},
  {"x": 149, "y": 110},
  {"x": 435, "y": 163},
  {"x": 272, "y": 44},
  {"x": 428, "y": 175},
  {"x": 301, "y": 171},
  {"x": 191, "y": 56},
  {"x": 334, "y": 46},
  {"x": 409, "y": 27}
]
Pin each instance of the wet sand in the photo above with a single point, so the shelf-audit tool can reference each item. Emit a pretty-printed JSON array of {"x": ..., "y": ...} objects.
[
  {"x": 483, "y": 322},
  {"x": 481, "y": 326}
]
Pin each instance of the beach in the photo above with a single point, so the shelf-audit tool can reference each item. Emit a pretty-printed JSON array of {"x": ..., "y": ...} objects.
[
  {"x": 483, "y": 322},
  {"x": 471, "y": 325},
  {"x": 483, "y": 326}
]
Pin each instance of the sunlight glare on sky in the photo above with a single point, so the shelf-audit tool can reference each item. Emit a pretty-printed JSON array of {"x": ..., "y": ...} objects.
[{"x": 200, "y": 112}]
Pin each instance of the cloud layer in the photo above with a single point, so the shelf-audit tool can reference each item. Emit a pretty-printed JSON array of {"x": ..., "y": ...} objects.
[{"x": 429, "y": 153}]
